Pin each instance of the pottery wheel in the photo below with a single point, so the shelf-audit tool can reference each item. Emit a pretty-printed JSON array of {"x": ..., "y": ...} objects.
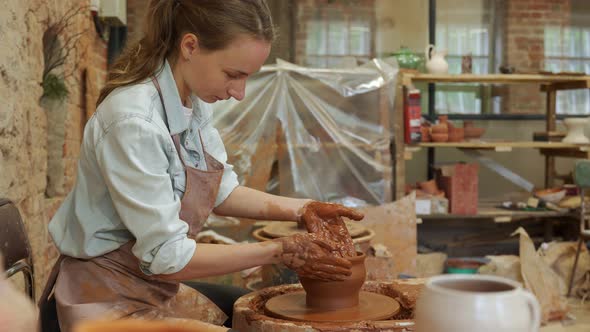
[
  {"x": 372, "y": 306},
  {"x": 288, "y": 228}
]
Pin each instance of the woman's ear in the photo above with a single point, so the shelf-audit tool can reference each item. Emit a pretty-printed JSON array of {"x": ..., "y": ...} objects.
[{"x": 189, "y": 45}]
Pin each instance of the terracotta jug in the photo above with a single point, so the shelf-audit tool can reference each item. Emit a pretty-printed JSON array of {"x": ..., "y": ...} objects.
[
  {"x": 482, "y": 303},
  {"x": 332, "y": 295},
  {"x": 435, "y": 60}
]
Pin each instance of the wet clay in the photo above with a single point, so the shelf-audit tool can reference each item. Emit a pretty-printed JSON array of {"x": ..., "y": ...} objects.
[
  {"x": 333, "y": 295},
  {"x": 334, "y": 301},
  {"x": 309, "y": 256},
  {"x": 325, "y": 220}
]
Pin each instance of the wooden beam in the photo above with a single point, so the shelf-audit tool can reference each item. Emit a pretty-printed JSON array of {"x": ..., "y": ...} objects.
[{"x": 408, "y": 78}]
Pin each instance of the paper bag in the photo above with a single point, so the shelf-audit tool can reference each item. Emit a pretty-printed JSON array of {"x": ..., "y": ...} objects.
[{"x": 540, "y": 279}]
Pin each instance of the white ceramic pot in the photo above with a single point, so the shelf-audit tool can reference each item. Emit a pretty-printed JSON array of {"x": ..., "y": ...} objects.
[
  {"x": 435, "y": 60},
  {"x": 575, "y": 131},
  {"x": 467, "y": 303}
]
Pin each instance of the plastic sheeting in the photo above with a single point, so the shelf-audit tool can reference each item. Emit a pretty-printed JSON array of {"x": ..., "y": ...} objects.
[{"x": 328, "y": 130}]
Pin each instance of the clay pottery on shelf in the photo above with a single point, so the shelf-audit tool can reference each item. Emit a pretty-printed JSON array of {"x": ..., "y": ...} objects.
[
  {"x": 439, "y": 137},
  {"x": 472, "y": 132},
  {"x": 456, "y": 134},
  {"x": 486, "y": 303},
  {"x": 444, "y": 120},
  {"x": 575, "y": 131},
  {"x": 440, "y": 128},
  {"x": 425, "y": 131},
  {"x": 429, "y": 187},
  {"x": 331, "y": 295},
  {"x": 435, "y": 60}
]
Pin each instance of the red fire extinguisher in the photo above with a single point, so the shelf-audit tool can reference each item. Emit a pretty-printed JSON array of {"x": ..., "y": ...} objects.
[{"x": 412, "y": 116}]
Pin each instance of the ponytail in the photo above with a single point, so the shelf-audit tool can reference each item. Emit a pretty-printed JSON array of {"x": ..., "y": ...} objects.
[{"x": 215, "y": 22}]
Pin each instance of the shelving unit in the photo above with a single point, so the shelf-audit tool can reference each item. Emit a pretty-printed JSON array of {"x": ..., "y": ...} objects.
[
  {"x": 490, "y": 210},
  {"x": 549, "y": 84}
]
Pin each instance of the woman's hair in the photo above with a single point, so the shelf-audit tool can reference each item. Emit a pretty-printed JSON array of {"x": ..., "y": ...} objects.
[{"x": 215, "y": 23}]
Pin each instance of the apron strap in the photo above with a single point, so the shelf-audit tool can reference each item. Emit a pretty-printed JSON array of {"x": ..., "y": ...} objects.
[
  {"x": 176, "y": 137},
  {"x": 50, "y": 282}
]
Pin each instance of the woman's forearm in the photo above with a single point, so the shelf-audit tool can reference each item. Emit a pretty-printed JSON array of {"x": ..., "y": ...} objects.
[
  {"x": 245, "y": 202},
  {"x": 218, "y": 259}
]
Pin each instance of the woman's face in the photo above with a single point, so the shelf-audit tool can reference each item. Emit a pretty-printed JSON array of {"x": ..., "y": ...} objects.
[{"x": 220, "y": 75}]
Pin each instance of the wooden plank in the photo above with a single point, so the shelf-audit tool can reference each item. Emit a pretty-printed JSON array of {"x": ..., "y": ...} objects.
[
  {"x": 385, "y": 157},
  {"x": 506, "y": 145},
  {"x": 550, "y": 125},
  {"x": 566, "y": 85},
  {"x": 567, "y": 153},
  {"x": 408, "y": 78},
  {"x": 398, "y": 141},
  {"x": 497, "y": 214}
]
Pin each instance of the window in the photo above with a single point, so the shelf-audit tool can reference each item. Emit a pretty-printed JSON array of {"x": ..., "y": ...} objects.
[
  {"x": 567, "y": 49},
  {"x": 463, "y": 30},
  {"x": 338, "y": 37},
  {"x": 531, "y": 37}
]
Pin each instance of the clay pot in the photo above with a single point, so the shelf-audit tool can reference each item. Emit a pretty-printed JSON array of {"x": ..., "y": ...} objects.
[
  {"x": 425, "y": 131},
  {"x": 429, "y": 187},
  {"x": 439, "y": 129},
  {"x": 444, "y": 120},
  {"x": 331, "y": 295},
  {"x": 471, "y": 132},
  {"x": 456, "y": 134},
  {"x": 439, "y": 137},
  {"x": 486, "y": 303}
]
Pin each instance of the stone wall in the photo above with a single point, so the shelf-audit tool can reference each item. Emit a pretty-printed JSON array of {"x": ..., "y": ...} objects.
[{"x": 26, "y": 123}]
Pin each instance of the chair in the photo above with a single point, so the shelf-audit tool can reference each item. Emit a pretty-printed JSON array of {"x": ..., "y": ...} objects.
[
  {"x": 582, "y": 180},
  {"x": 15, "y": 246}
]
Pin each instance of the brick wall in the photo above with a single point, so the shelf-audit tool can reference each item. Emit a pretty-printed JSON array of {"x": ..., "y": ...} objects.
[
  {"x": 524, "y": 43},
  {"x": 24, "y": 127},
  {"x": 136, "y": 10}
]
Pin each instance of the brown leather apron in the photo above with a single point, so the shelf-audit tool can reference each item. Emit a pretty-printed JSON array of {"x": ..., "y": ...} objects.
[{"x": 113, "y": 286}]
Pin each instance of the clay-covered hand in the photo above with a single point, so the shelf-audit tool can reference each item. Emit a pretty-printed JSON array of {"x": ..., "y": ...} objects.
[
  {"x": 311, "y": 257},
  {"x": 325, "y": 219}
]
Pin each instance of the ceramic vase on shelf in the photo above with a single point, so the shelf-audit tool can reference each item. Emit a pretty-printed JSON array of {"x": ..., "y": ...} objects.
[
  {"x": 575, "y": 131},
  {"x": 435, "y": 61}
]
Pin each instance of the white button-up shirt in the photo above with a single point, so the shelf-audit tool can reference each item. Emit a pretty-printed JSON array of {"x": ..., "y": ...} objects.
[{"x": 130, "y": 179}]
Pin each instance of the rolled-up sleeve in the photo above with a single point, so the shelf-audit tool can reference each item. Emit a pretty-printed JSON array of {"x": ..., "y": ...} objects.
[
  {"x": 229, "y": 180},
  {"x": 134, "y": 164}
]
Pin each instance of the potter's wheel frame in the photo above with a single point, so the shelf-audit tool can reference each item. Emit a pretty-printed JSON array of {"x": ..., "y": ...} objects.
[{"x": 372, "y": 306}]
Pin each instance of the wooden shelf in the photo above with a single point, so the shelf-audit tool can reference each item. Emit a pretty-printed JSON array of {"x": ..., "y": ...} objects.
[
  {"x": 489, "y": 210},
  {"x": 559, "y": 81},
  {"x": 506, "y": 146}
]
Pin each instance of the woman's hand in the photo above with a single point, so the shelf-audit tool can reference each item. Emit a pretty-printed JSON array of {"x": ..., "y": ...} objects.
[
  {"x": 325, "y": 220},
  {"x": 311, "y": 257}
]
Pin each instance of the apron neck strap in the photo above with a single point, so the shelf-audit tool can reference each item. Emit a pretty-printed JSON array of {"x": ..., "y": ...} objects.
[{"x": 176, "y": 137}]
